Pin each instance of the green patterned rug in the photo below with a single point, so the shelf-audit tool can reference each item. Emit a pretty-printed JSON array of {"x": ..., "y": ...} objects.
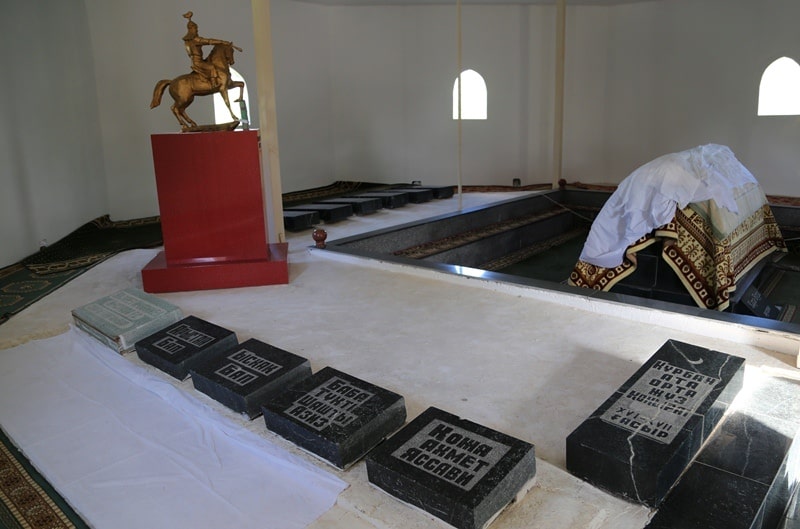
[
  {"x": 27, "y": 501},
  {"x": 28, "y": 281}
]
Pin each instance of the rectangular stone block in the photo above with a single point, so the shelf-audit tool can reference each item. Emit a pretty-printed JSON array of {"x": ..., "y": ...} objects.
[
  {"x": 418, "y": 195},
  {"x": 745, "y": 475},
  {"x": 179, "y": 347},
  {"x": 300, "y": 220},
  {"x": 246, "y": 376},
  {"x": 335, "y": 416},
  {"x": 639, "y": 441},
  {"x": 327, "y": 212},
  {"x": 120, "y": 319},
  {"x": 390, "y": 199},
  {"x": 452, "y": 468},
  {"x": 360, "y": 205}
]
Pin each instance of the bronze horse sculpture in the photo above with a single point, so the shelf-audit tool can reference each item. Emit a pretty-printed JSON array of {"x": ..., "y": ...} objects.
[{"x": 184, "y": 88}]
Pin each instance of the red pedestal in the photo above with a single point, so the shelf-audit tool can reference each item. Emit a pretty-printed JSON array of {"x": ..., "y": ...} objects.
[{"x": 212, "y": 215}]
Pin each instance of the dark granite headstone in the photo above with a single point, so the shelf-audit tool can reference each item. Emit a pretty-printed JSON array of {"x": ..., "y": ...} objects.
[
  {"x": 246, "y": 376},
  {"x": 441, "y": 192},
  {"x": 335, "y": 416},
  {"x": 418, "y": 195},
  {"x": 178, "y": 348},
  {"x": 360, "y": 205},
  {"x": 327, "y": 212},
  {"x": 390, "y": 199},
  {"x": 643, "y": 437},
  {"x": 746, "y": 474},
  {"x": 438, "y": 192},
  {"x": 300, "y": 220},
  {"x": 452, "y": 468}
]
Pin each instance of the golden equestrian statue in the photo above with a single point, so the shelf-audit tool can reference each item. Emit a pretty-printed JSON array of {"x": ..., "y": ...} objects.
[{"x": 208, "y": 76}]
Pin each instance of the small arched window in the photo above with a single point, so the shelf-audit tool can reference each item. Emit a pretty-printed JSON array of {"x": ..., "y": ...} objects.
[
  {"x": 221, "y": 114},
  {"x": 779, "y": 91},
  {"x": 473, "y": 96}
]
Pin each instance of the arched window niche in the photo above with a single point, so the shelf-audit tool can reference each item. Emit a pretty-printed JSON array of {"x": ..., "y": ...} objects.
[
  {"x": 473, "y": 96},
  {"x": 221, "y": 114},
  {"x": 779, "y": 91}
]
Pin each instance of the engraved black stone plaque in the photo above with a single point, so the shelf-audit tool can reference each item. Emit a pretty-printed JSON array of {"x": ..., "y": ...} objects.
[
  {"x": 335, "y": 416},
  {"x": 452, "y": 468},
  {"x": 745, "y": 475},
  {"x": 177, "y": 348},
  {"x": 643, "y": 437},
  {"x": 246, "y": 376}
]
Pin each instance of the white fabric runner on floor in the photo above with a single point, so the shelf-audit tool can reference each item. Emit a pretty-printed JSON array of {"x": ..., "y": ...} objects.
[{"x": 130, "y": 450}]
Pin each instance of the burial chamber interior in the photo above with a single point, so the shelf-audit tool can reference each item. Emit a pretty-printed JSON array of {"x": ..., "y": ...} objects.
[{"x": 535, "y": 241}]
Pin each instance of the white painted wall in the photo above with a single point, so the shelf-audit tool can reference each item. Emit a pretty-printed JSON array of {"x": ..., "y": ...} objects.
[
  {"x": 51, "y": 172},
  {"x": 686, "y": 72},
  {"x": 393, "y": 74},
  {"x": 363, "y": 93}
]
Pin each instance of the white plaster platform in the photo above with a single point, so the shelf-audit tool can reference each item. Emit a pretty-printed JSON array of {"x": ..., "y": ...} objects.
[{"x": 527, "y": 362}]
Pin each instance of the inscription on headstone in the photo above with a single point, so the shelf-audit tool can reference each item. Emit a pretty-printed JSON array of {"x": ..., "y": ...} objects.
[
  {"x": 244, "y": 377},
  {"x": 335, "y": 416},
  {"x": 455, "y": 469},
  {"x": 643, "y": 436},
  {"x": 454, "y": 454},
  {"x": 178, "y": 348},
  {"x": 333, "y": 403},
  {"x": 661, "y": 401}
]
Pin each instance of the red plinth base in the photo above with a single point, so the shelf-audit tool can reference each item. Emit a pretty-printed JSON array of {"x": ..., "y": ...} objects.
[
  {"x": 160, "y": 276},
  {"x": 212, "y": 215}
]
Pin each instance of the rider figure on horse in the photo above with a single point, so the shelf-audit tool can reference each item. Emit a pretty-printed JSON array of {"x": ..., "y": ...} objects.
[{"x": 194, "y": 48}]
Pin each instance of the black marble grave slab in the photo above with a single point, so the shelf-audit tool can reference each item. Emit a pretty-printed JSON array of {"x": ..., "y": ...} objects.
[
  {"x": 335, "y": 416},
  {"x": 452, "y": 468},
  {"x": 327, "y": 212},
  {"x": 441, "y": 192},
  {"x": 300, "y": 220},
  {"x": 438, "y": 192},
  {"x": 390, "y": 199},
  {"x": 746, "y": 473},
  {"x": 640, "y": 440},
  {"x": 246, "y": 376},
  {"x": 418, "y": 195},
  {"x": 361, "y": 206},
  {"x": 182, "y": 345}
]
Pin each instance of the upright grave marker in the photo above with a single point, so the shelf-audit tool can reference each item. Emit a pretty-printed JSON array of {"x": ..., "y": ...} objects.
[
  {"x": 639, "y": 441},
  {"x": 454, "y": 469},
  {"x": 244, "y": 377},
  {"x": 335, "y": 416},
  {"x": 182, "y": 345}
]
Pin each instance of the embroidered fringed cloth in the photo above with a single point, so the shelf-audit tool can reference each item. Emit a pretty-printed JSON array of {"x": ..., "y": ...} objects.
[{"x": 706, "y": 246}]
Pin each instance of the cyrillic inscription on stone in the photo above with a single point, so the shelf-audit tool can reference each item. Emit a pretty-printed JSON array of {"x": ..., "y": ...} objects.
[
  {"x": 457, "y": 470},
  {"x": 177, "y": 339},
  {"x": 451, "y": 453},
  {"x": 640, "y": 439},
  {"x": 660, "y": 403},
  {"x": 185, "y": 344},
  {"x": 247, "y": 375},
  {"x": 330, "y": 403},
  {"x": 335, "y": 416},
  {"x": 241, "y": 366}
]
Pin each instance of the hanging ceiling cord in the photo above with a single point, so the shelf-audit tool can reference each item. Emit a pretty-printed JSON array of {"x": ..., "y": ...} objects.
[
  {"x": 559, "y": 204},
  {"x": 458, "y": 60}
]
